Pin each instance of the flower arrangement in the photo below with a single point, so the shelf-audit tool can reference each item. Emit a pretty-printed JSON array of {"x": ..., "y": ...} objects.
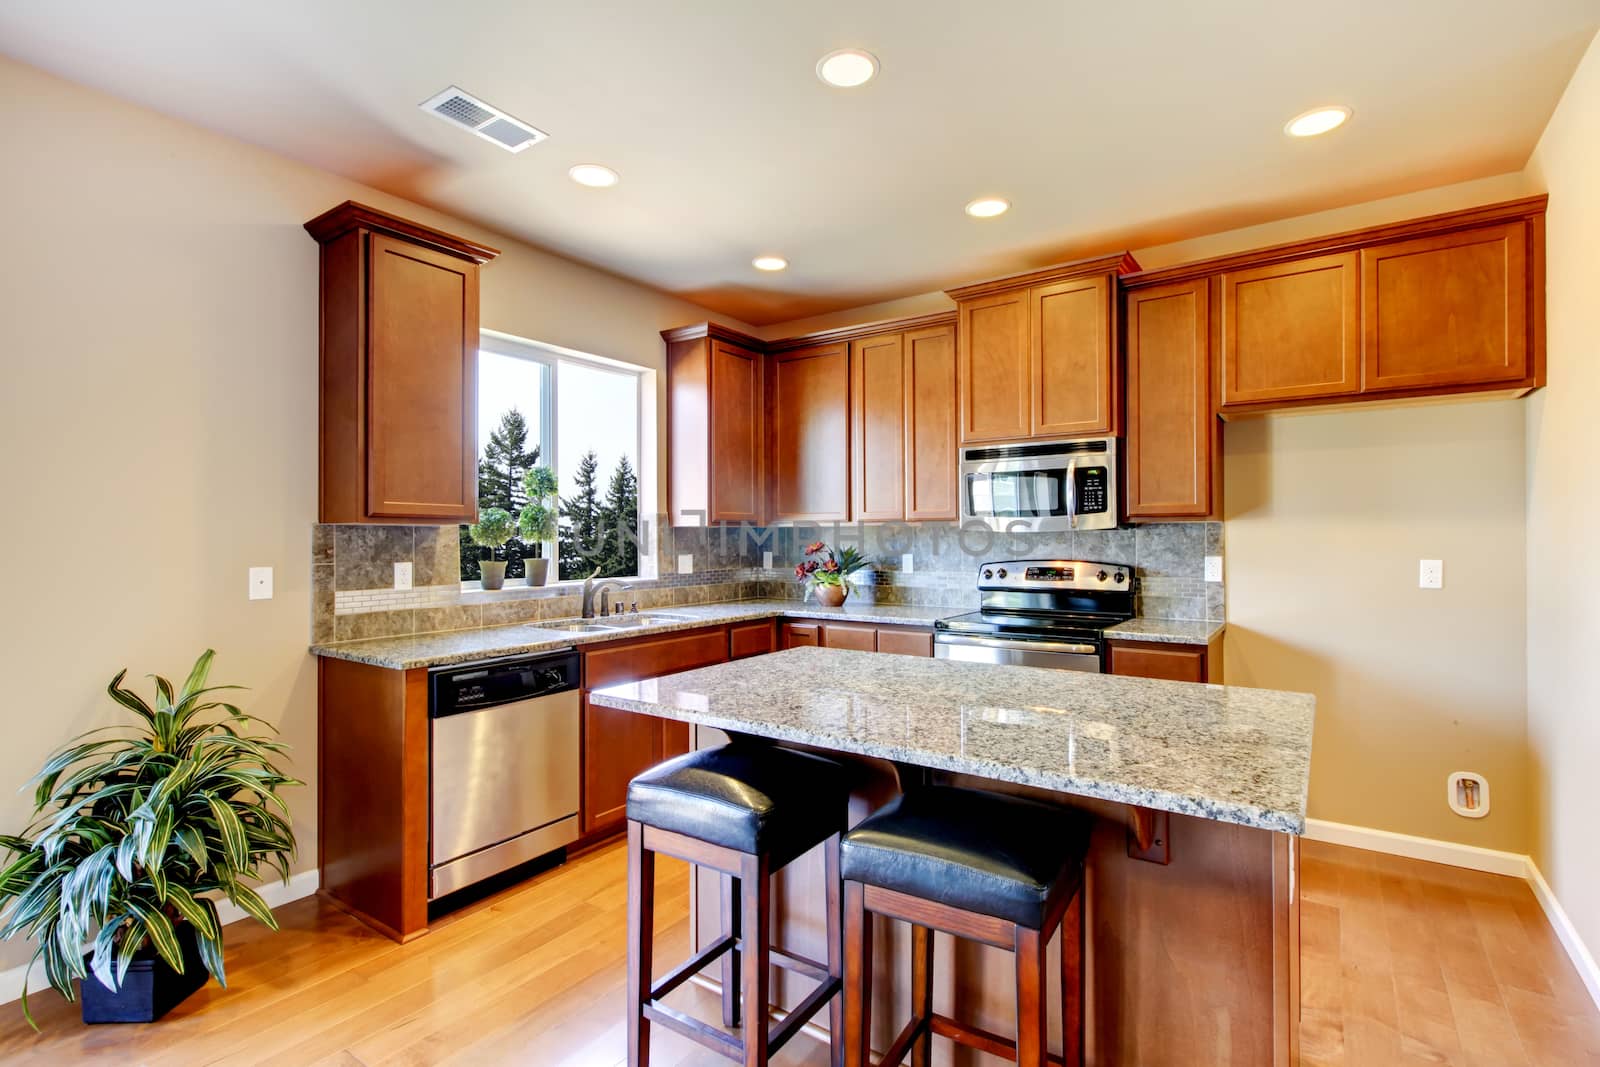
[{"x": 825, "y": 571}]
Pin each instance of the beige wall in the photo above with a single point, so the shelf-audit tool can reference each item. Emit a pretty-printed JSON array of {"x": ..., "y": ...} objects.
[
  {"x": 159, "y": 332},
  {"x": 1564, "y": 513}
]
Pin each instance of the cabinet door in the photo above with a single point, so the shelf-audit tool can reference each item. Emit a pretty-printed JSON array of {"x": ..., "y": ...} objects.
[
  {"x": 800, "y": 635},
  {"x": 1070, "y": 357},
  {"x": 750, "y": 639},
  {"x": 993, "y": 343},
  {"x": 736, "y": 438},
  {"x": 1291, "y": 331},
  {"x": 852, "y": 635},
  {"x": 878, "y": 395},
  {"x": 931, "y": 455},
  {"x": 1446, "y": 310},
  {"x": 906, "y": 642},
  {"x": 1171, "y": 429},
  {"x": 616, "y": 746},
  {"x": 1173, "y": 663},
  {"x": 422, "y": 383},
  {"x": 808, "y": 407}
]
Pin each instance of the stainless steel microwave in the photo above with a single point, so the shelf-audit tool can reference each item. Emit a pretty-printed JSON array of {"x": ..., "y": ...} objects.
[{"x": 1041, "y": 485}]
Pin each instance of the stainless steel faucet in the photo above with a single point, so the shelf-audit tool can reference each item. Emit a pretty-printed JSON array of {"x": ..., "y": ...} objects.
[{"x": 604, "y": 587}]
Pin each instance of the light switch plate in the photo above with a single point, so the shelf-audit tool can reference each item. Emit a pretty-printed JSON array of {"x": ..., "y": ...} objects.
[
  {"x": 766, "y": 560},
  {"x": 1431, "y": 574},
  {"x": 1213, "y": 568},
  {"x": 402, "y": 575},
  {"x": 686, "y": 564},
  {"x": 260, "y": 583},
  {"x": 905, "y": 562}
]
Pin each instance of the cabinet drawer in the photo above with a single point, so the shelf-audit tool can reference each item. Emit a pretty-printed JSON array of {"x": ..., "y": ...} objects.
[
  {"x": 906, "y": 642},
  {"x": 852, "y": 635},
  {"x": 1173, "y": 663},
  {"x": 801, "y": 634},
  {"x": 654, "y": 656},
  {"x": 750, "y": 639}
]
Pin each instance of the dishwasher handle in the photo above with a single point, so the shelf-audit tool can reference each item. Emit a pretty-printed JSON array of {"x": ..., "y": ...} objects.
[{"x": 465, "y": 687}]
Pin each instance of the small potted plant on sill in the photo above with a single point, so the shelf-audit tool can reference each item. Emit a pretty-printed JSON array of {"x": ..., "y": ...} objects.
[
  {"x": 826, "y": 576},
  {"x": 492, "y": 530},
  {"x": 135, "y": 833},
  {"x": 537, "y": 523}
]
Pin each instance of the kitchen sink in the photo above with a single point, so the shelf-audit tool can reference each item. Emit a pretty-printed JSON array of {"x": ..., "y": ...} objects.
[
  {"x": 649, "y": 618},
  {"x": 576, "y": 626}
]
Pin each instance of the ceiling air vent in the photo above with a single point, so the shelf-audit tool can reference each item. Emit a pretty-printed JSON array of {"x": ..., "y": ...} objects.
[{"x": 489, "y": 122}]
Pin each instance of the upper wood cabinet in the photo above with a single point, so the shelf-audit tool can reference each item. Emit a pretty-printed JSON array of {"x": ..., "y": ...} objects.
[
  {"x": 930, "y": 441},
  {"x": 1173, "y": 444},
  {"x": 808, "y": 412},
  {"x": 1449, "y": 309},
  {"x": 399, "y": 380},
  {"x": 715, "y": 429},
  {"x": 903, "y": 403},
  {"x": 1291, "y": 330},
  {"x": 1037, "y": 353}
]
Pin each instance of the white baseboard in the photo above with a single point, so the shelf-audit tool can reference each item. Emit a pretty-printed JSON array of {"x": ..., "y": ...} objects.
[
  {"x": 1418, "y": 848},
  {"x": 1473, "y": 858},
  {"x": 275, "y": 894}
]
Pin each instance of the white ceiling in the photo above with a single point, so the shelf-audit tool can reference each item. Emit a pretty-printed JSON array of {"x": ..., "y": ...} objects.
[{"x": 1107, "y": 124}]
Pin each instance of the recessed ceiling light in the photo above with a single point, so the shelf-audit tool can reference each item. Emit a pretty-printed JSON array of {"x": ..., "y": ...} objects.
[
  {"x": 1317, "y": 120},
  {"x": 987, "y": 207},
  {"x": 769, "y": 263},
  {"x": 593, "y": 175},
  {"x": 847, "y": 68}
]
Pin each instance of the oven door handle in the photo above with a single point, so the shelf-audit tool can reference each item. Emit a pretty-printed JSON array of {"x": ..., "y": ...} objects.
[{"x": 1017, "y": 644}]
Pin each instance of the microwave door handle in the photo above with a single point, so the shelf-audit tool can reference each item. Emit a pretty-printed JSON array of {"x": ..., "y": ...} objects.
[{"x": 1072, "y": 492}]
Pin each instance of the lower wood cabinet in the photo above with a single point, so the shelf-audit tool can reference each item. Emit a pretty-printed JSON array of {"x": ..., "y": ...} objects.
[
  {"x": 861, "y": 637},
  {"x": 1169, "y": 662},
  {"x": 905, "y": 642},
  {"x": 752, "y": 638},
  {"x": 799, "y": 634},
  {"x": 619, "y": 744}
]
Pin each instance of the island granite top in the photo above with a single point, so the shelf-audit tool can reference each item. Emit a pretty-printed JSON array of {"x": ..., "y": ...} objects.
[
  {"x": 1217, "y": 752},
  {"x": 463, "y": 646}
]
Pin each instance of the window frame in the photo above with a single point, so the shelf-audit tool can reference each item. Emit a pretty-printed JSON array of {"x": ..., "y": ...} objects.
[{"x": 550, "y": 357}]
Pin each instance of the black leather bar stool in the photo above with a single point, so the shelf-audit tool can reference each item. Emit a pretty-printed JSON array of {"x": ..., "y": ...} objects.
[
  {"x": 745, "y": 809},
  {"x": 998, "y": 869}
]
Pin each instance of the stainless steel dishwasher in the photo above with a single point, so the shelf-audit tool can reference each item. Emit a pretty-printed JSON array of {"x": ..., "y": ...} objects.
[{"x": 504, "y": 765}]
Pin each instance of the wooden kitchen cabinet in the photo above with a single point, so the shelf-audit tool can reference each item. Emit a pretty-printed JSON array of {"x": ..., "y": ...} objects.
[
  {"x": 715, "y": 430},
  {"x": 751, "y": 638},
  {"x": 808, "y": 413},
  {"x": 1038, "y": 353},
  {"x": 1173, "y": 442},
  {"x": 905, "y": 642},
  {"x": 617, "y": 745},
  {"x": 398, "y": 369},
  {"x": 1170, "y": 662},
  {"x": 904, "y": 450},
  {"x": 1291, "y": 330},
  {"x": 931, "y": 451},
  {"x": 799, "y": 634},
  {"x": 1446, "y": 309},
  {"x": 858, "y": 636}
]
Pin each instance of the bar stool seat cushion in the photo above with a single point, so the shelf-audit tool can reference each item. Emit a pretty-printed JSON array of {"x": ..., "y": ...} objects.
[
  {"x": 998, "y": 855},
  {"x": 748, "y": 796}
]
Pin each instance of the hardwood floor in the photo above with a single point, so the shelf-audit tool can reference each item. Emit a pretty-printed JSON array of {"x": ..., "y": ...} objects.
[{"x": 1403, "y": 962}]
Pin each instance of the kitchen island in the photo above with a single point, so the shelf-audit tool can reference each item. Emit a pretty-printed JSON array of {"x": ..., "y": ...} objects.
[{"x": 1200, "y": 793}]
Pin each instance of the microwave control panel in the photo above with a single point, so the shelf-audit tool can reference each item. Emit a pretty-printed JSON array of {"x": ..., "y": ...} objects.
[{"x": 1093, "y": 493}]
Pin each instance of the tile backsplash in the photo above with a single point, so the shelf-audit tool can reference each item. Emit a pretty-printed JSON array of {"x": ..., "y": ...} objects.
[{"x": 353, "y": 593}]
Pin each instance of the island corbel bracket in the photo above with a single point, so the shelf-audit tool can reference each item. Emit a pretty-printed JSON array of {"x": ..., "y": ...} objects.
[{"x": 1148, "y": 835}]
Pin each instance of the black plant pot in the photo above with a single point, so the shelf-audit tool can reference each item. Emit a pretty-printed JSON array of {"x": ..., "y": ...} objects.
[{"x": 150, "y": 989}]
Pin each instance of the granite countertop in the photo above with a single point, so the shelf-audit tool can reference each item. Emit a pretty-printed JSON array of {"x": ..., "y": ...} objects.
[
  {"x": 1217, "y": 752},
  {"x": 1166, "y": 631}
]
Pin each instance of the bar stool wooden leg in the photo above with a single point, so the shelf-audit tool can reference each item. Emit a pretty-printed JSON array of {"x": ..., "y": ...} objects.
[
  {"x": 1033, "y": 1030},
  {"x": 756, "y": 921},
  {"x": 835, "y": 911},
  {"x": 922, "y": 992},
  {"x": 1072, "y": 936},
  {"x": 857, "y": 1036},
  {"x": 731, "y": 975},
  {"x": 641, "y": 932}
]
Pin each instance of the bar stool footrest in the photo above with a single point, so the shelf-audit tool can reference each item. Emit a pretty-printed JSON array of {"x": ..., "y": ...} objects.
[
  {"x": 977, "y": 1037},
  {"x": 720, "y": 1041}
]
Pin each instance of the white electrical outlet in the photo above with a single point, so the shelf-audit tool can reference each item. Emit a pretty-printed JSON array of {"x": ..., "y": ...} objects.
[
  {"x": 1431, "y": 574},
  {"x": 905, "y": 562},
  {"x": 686, "y": 564},
  {"x": 766, "y": 560},
  {"x": 260, "y": 583},
  {"x": 1213, "y": 568},
  {"x": 402, "y": 575}
]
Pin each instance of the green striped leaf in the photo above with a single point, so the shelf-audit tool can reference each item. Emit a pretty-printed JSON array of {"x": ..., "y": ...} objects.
[
  {"x": 231, "y": 831},
  {"x": 251, "y": 902},
  {"x": 162, "y": 935},
  {"x": 191, "y": 909},
  {"x": 211, "y": 947}
]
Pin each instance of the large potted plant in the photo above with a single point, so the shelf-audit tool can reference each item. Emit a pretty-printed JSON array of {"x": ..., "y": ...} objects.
[
  {"x": 826, "y": 571},
  {"x": 137, "y": 830},
  {"x": 537, "y": 523},
  {"x": 492, "y": 530}
]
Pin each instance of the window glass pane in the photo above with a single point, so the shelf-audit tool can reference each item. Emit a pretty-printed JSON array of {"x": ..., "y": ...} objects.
[
  {"x": 511, "y": 405},
  {"x": 597, "y": 442}
]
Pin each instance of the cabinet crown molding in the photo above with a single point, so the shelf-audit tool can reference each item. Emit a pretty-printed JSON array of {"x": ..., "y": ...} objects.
[
  {"x": 696, "y": 331},
  {"x": 1349, "y": 241},
  {"x": 1115, "y": 263},
  {"x": 865, "y": 329},
  {"x": 338, "y": 221}
]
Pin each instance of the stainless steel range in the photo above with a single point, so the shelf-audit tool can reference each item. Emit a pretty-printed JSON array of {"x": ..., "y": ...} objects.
[{"x": 1040, "y": 613}]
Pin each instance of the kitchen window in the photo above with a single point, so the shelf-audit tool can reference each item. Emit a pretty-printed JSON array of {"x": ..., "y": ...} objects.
[{"x": 580, "y": 416}]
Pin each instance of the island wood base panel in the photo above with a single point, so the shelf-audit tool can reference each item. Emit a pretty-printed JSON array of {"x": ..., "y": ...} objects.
[{"x": 1192, "y": 963}]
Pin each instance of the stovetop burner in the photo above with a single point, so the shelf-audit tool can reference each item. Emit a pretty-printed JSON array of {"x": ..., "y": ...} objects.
[{"x": 1048, "y": 599}]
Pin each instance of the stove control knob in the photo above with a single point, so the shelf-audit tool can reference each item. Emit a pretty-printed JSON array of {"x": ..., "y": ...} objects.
[
  {"x": 1102, "y": 576},
  {"x": 1001, "y": 572},
  {"x": 1119, "y": 577},
  {"x": 987, "y": 573}
]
